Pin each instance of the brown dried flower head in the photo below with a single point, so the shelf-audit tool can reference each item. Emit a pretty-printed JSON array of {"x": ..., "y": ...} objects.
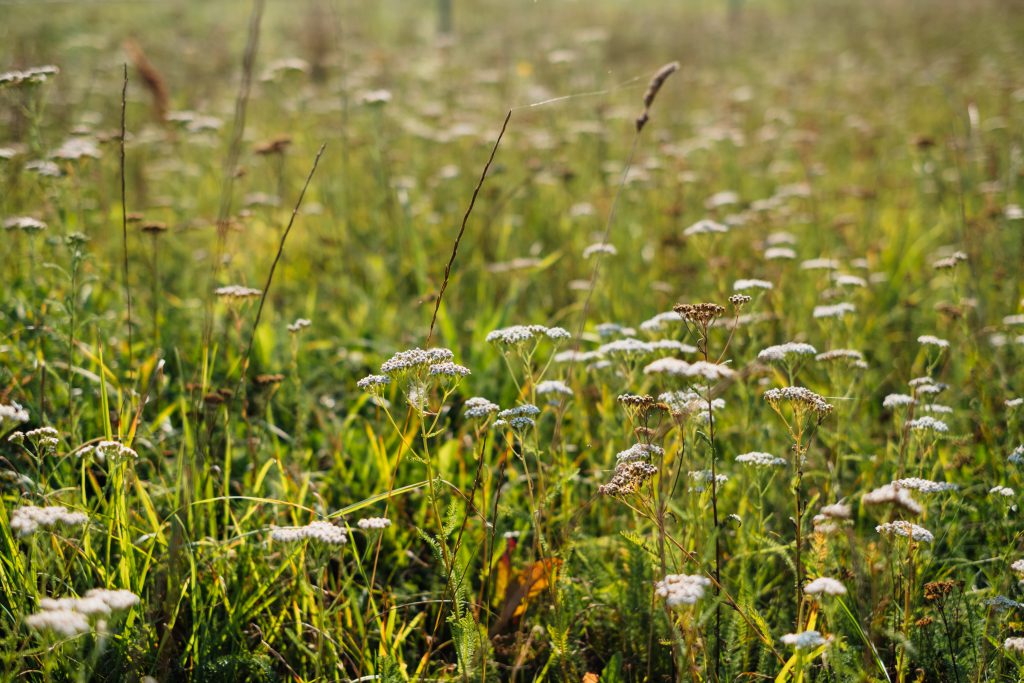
[{"x": 702, "y": 314}]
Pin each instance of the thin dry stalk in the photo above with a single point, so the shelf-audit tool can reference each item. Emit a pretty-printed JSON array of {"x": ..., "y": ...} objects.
[
  {"x": 124, "y": 216},
  {"x": 273, "y": 266},
  {"x": 462, "y": 228}
]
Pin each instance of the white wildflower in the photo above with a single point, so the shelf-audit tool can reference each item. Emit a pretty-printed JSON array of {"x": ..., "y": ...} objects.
[
  {"x": 932, "y": 340},
  {"x": 705, "y": 226},
  {"x": 760, "y": 459},
  {"x": 928, "y": 423},
  {"x": 321, "y": 531},
  {"x": 743, "y": 285},
  {"x": 898, "y": 401},
  {"x": 373, "y": 523},
  {"x": 780, "y": 351},
  {"x": 907, "y": 530},
  {"x": 825, "y": 585},
  {"x": 779, "y": 253},
  {"x": 834, "y": 310},
  {"x": 682, "y": 589},
  {"x": 28, "y": 519},
  {"x": 805, "y": 640},
  {"x": 479, "y": 407},
  {"x": 600, "y": 248}
]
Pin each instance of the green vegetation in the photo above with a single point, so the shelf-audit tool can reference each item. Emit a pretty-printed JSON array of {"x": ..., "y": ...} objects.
[{"x": 737, "y": 396}]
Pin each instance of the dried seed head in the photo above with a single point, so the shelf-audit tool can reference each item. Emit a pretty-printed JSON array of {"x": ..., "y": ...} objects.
[
  {"x": 702, "y": 314},
  {"x": 653, "y": 87}
]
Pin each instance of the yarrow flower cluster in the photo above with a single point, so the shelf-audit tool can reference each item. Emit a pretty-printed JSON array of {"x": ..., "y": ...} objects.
[
  {"x": 71, "y": 617},
  {"x": 237, "y": 292},
  {"x": 373, "y": 383},
  {"x": 759, "y": 459},
  {"x": 113, "y": 451},
  {"x": 925, "y": 485},
  {"x": 640, "y": 451},
  {"x": 44, "y": 439},
  {"x": 825, "y": 585},
  {"x": 320, "y": 531},
  {"x": 24, "y": 223},
  {"x": 781, "y": 351},
  {"x": 894, "y": 495},
  {"x": 800, "y": 398},
  {"x": 907, "y": 530},
  {"x": 12, "y": 413},
  {"x": 553, "y": 386},
  {"x": 853, "y": 356},
  {"x": 415, "y": 360},
  {"x": 743, "y": 285},
  {"x": 898, "y": 401},
  {"x": 932, "y": 340},
  {"x": 478, "y": 408},
  {"x": 447, "y": 369},
  {"x": 31, "y": 76},
  {"x": 299, "y": 325},
  {"x": 680, "y": 590},
  {"x": 28, "y": 519},
  {"x": 373, "y": 523},
  {"x": 520, "y": 334},
  {"x": 805, "y": 640},
  {"x": 600, "y": 248},
  {"x": 833, "y": 310},
  {"x": 928, "y": 424},
  {"x": 519, "y": 418}
]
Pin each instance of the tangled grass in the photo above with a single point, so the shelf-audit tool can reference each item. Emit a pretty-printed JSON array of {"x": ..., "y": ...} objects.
[{"x": 721, "y": 380}]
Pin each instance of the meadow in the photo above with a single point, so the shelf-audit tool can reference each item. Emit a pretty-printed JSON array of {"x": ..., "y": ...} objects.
[{"x": 541, "y": 341}]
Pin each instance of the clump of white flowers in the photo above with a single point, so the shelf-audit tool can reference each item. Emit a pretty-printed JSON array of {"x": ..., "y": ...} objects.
[
  {"x": 894, "y": 495},
  {"x": 932, "y": 340},
  {"x": 898, "y": 401},
  {"x": 320, "y": 531},
  {"x": 639, "y": 451},
  {"x": 24, "y": 223},
  {"x": 851, "y": 355},
  {"x": 28, "y": 519},
  {"x": 415, "y": 361},
  {"x": 237, "y": 292},
  {"x": 680, "y": 590},
  {"x": 553, "y": 386},
  {"x": 805, "y": 640},
  {"x": 925, "y": 485},
  {"x": 478, "y": 408},
  {"x": 71, "y": 617},
  {"x": 743, "y": 285},
  {"x": 376, "y": 523},
  {"x": 905, "y": 529},
  {"x": 108, "y": 451},
  {"x": 1004, "y": 491},
  {"x": 780, "y": 352},
  {"x": 801, "y": 399},
  {"x": 825, "y": 585},
  {"x": 928, "y": 423},
  {"x": 600, "y": 248},
  {"x": 1014, "y": 644},
  {"x": 44, "y": 439},
  {"x": 12, "y": 413},
  {"x": 520, "y": 334},
  {"x": 705, "y": 226},
  {"x": 299, "y": 325},
  {"x": 833, "y": 310},
  {"x": 760, "y": 459}
]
